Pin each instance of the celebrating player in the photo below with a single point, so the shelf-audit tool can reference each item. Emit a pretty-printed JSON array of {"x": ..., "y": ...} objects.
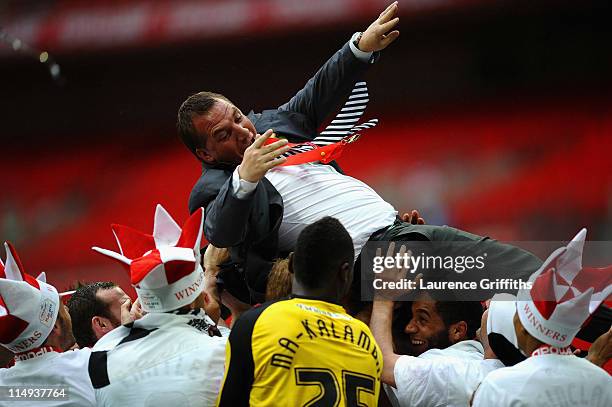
[{"x": 306, "y": 348}]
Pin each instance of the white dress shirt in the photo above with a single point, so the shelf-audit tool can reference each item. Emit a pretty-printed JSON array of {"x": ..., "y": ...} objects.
[
  {"x": 67, "y": 369},
  {"x": 441, "y": 377},
  {"x": 312, "y": 191},
  {"x": 174, "y": 365},
  {"x": 547, "y": 381}
]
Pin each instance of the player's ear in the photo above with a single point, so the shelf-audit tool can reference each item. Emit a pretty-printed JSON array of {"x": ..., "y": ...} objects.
[
  {"x": 100, "y": 326},
  {"x": 346, "y": 275},
  {"x": 205, "y": 156},
  {"x": 458, "y": 332},
  {"x": 290, "y": 263},
  {"x": 206, "y": 298}
]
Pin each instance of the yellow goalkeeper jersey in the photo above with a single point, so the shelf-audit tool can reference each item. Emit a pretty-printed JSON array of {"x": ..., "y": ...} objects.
[{"x": 300, "y": 352}]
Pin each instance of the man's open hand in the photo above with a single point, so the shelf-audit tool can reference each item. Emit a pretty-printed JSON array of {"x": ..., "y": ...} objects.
[
  {"x": 394, "y": 276},
  {"x": 258, "y": 159},
  {"x": 379, "y": 35}
]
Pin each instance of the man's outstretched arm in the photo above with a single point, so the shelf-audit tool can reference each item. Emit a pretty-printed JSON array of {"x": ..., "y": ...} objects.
[
  {"x": 335, "y": 79},
  {"x": 381, "y": 320}
]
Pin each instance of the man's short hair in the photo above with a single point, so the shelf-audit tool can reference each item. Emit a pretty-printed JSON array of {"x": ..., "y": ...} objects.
[
  {"x": 321, "y": 249},
  {"x": 195, "y": 105},
  {"x": 83, "y": 306},
  {"x": 452, "y": 312}
]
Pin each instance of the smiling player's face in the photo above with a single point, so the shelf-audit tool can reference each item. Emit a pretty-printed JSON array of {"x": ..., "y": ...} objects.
[
  {"x": 426, "y": 329},
  {"x": 228, "y": 133}
]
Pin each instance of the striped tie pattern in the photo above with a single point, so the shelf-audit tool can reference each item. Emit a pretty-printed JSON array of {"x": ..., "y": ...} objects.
[{"x": 345, "y": 122}]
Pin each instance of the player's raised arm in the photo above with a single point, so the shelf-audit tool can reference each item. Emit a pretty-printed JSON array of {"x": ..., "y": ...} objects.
[
  {"x": 380, "y": 324},
  {"x": 332, "y": 83},
  {"x": 382, "y": 317}
]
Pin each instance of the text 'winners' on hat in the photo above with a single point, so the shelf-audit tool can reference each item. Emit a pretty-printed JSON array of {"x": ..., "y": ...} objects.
[
  {"x": 563, "y": 295},
  {"x": 28, "y": 305},
  {"x": 165, "y": 266}
]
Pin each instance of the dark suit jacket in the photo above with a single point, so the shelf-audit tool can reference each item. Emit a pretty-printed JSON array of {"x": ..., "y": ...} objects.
[{"x": 250, "y": 226}]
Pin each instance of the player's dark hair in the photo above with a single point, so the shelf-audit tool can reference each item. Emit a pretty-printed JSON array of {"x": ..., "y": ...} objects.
[
  {"x": 83, "y": 306},
  {"x": 195, "y": 105},
  {"x": 455, "y": 311},
  {"x": 321, "y": 249}
]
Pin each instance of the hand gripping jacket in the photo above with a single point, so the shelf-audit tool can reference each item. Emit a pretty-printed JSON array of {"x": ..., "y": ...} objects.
[
  {"x": 164, "y": 267},
  {"x": 28, "y": 305}
]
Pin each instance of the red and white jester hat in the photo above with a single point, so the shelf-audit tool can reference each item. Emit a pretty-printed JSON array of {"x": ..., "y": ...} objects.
[
  {"x": 164, "y": 267},
  {"x": 563, "y": 295},
  {"x": 28, "y": 305}
]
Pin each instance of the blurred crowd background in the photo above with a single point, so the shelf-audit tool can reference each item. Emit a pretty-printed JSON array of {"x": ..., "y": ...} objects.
[{"x": 495, "y": 116}]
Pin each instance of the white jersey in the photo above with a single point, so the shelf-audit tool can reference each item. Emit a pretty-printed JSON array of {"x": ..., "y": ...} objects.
[
  {"x": 163, "y": 360},
  {"x": 441, "y": 377},
  {"x": 67, "y": 370},
  {"x": 547, "y": 380},
  {"x": 312, "y": 191}
]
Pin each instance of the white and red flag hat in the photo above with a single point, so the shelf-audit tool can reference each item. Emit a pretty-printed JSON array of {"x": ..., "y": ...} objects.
[
  {"x": 563, "y": 295},
  {"x": 28, "y": 305},
  {"x": 164, "y": 267}
]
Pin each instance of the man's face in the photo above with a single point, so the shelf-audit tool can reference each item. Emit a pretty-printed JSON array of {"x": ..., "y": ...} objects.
[
  {"x": 114, "y": 298},
  {"x": 228, "y": 133},
  {"x": 426, "y": 329}
]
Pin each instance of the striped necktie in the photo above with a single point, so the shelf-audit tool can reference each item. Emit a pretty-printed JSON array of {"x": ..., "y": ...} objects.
[{"x": 343, "y": 129}]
